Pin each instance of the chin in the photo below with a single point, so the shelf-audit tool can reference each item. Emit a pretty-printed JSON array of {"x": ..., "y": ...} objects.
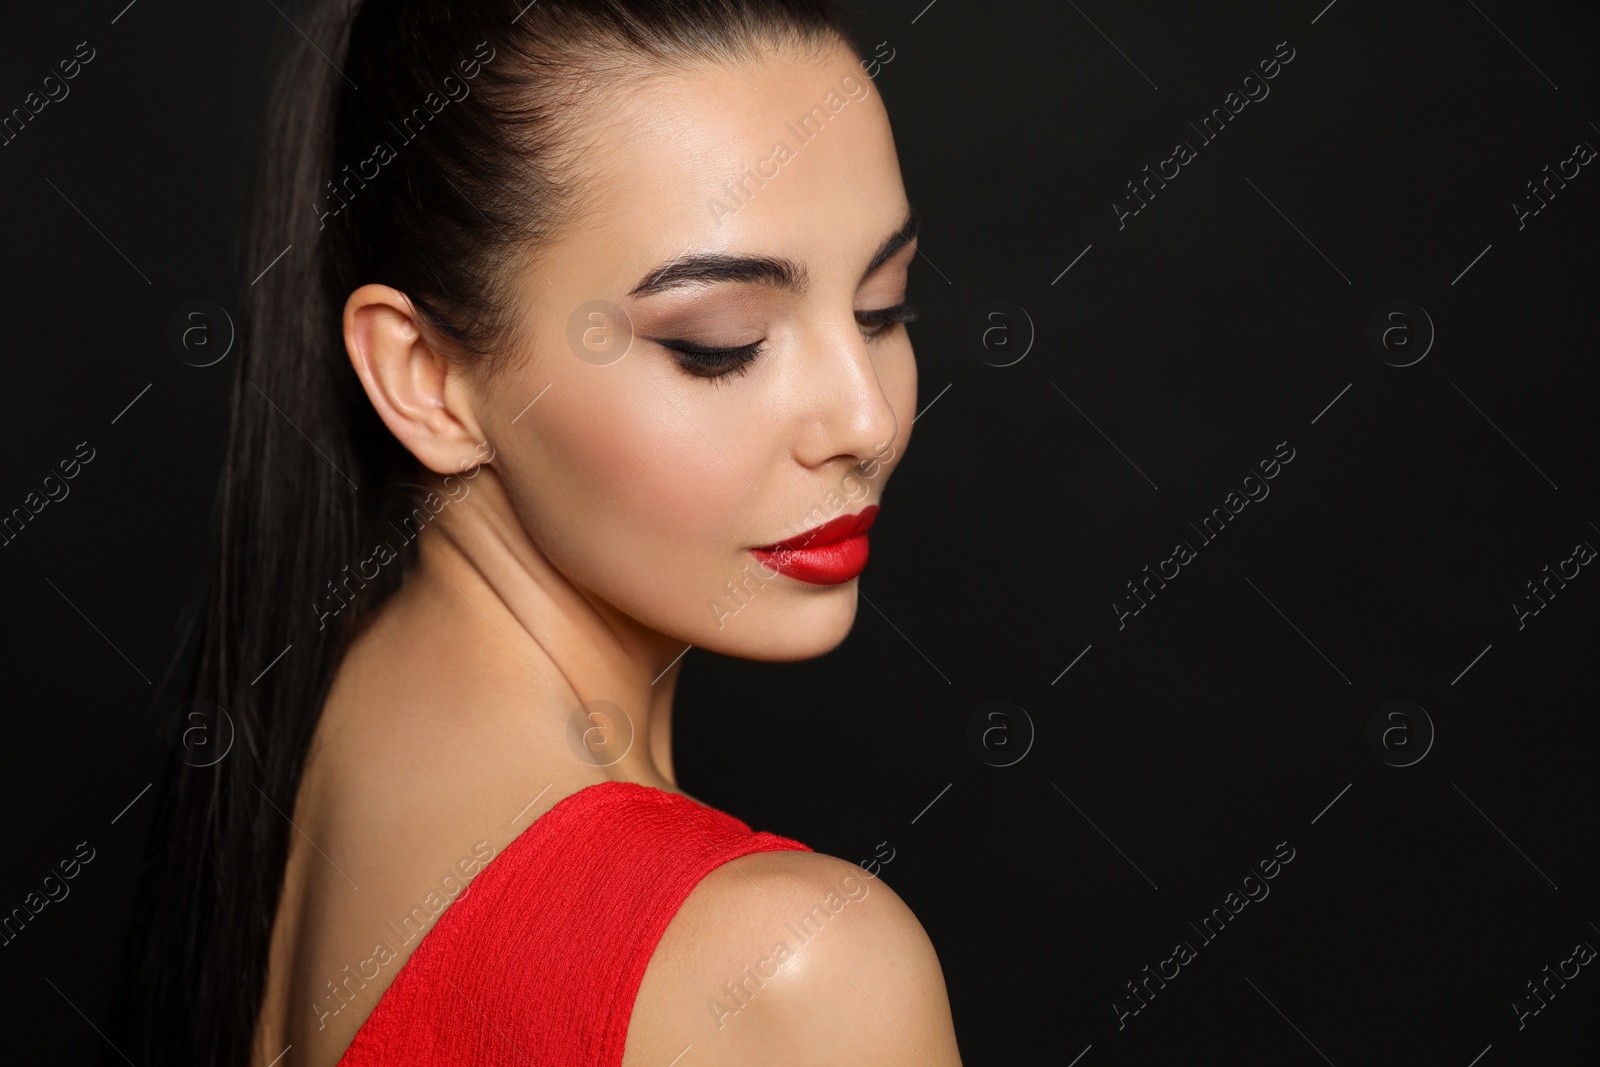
[{"x": 787, "y": 632}]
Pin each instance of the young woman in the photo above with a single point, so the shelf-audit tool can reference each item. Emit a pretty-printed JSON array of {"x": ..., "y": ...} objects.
[{"x": 577, "y": 342}]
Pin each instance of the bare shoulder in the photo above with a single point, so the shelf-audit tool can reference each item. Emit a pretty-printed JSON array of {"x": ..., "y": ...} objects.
[{"x": 793, "y": 959}]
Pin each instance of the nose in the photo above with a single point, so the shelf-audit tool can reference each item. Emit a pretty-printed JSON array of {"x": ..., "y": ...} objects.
[{"x": 848, "y": 414}]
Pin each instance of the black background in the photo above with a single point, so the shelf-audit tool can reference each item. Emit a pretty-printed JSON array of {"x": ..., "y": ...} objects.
[{"x": 1228, "y": 716}]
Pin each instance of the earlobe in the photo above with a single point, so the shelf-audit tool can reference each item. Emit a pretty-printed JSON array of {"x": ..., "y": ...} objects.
[{"x": 407, "y": 379}]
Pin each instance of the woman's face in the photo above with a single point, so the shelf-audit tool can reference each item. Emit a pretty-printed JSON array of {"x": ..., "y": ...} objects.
[{"x": 647, "y": 485}]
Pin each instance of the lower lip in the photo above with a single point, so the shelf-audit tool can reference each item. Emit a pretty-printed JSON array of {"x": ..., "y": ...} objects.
[{"x": 830, "y": 564}]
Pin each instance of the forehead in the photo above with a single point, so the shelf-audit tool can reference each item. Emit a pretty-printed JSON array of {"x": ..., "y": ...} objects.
[{"x": 791, "y": 155}]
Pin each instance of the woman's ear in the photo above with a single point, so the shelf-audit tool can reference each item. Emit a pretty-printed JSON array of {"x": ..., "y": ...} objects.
[{"x": 408, "y": 380}]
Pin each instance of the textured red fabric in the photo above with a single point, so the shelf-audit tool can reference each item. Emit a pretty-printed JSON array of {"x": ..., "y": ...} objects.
[{"x": 540, "y": 960}]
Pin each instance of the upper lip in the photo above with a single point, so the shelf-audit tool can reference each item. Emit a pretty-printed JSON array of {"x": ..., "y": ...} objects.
[{"x": 833, "y": 530}]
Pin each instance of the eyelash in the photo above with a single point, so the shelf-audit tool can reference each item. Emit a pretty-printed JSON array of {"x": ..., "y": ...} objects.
[{"x": 715, "y": 363}]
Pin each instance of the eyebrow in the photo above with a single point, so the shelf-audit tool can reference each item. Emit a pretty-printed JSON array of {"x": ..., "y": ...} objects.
[{"x": 710, "y": 268}]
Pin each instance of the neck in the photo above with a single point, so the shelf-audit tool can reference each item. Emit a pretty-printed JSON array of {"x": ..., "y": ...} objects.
[{"x": 476, "y": 565}]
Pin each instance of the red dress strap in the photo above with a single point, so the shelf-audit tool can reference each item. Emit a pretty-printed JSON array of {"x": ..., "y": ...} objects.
[{"x": 540, "y": 960}]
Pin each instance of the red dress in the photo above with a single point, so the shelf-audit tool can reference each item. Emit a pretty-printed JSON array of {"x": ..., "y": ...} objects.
[{"x": 540, "y": 959}]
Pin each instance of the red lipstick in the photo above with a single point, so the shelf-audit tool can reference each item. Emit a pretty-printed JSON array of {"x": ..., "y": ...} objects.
[{"x": 829, "y": 554}]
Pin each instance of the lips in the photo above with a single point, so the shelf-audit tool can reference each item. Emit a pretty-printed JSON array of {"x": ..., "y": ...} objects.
[{"x": 829, "y": 554}]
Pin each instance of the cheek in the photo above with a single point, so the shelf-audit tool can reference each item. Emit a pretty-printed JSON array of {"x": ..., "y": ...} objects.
[{"x": 633, "y": 486}]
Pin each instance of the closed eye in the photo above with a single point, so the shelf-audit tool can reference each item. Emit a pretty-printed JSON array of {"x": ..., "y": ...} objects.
[
  {"x": 703, "y": 361},
  {"x": 879, "y": 320}
]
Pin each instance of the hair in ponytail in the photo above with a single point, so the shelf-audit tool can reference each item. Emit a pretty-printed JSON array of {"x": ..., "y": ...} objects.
[{"x": 427, "y": 146}]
